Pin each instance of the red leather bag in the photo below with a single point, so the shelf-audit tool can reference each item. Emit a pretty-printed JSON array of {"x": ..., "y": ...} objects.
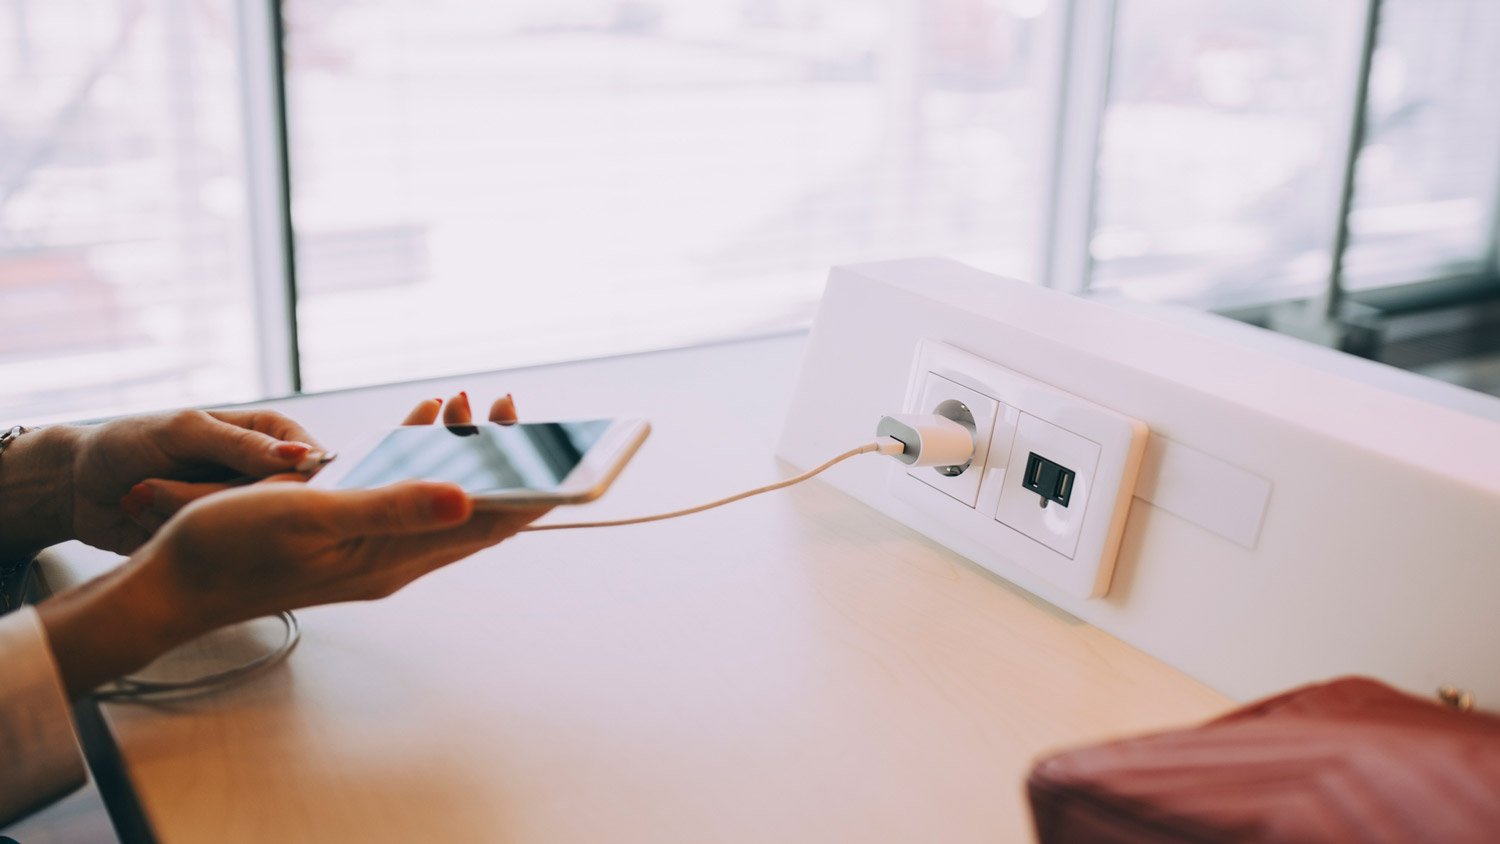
[{"x": 1348, "y": 761}]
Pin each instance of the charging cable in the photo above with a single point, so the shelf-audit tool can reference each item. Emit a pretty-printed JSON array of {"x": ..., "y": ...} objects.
[
  {"x": 137, "y": 689},
  {"x": 914, "y": 439}
]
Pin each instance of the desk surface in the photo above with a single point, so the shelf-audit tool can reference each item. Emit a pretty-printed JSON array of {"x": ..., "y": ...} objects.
[{"x": 795, "y": 668}]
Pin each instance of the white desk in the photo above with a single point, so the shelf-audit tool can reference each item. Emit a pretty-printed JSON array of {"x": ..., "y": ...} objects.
[{"x": 795, "y": 668}]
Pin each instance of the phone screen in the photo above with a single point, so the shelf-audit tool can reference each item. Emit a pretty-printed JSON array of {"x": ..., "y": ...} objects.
[{"x": 479, "y": 458}]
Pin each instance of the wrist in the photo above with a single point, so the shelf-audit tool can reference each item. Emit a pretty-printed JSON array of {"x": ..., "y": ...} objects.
[
  {"x": 36, "y": 490},
  {"x": 117, "y": 623}
]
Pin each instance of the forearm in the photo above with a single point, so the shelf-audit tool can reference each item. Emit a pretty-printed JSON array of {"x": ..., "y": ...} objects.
[
  {"x": 41, "y": 759},
  {"x": 36, "y": 494},
  {"x": 115, "y": 624}
]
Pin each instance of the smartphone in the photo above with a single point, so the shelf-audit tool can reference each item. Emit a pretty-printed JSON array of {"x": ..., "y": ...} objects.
[{"x": 524, "y": 464}]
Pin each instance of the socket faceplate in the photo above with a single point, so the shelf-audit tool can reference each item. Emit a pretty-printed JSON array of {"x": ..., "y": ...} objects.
[
  {"x": 935, "y": 391},
  {"x": 1074, "y": 546}
]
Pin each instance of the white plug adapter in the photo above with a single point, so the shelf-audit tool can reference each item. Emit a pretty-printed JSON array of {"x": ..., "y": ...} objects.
[{"x": 930, "y": 439}]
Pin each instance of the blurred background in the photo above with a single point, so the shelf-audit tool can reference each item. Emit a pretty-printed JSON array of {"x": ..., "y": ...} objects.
[{"x": 208, "y": 201}]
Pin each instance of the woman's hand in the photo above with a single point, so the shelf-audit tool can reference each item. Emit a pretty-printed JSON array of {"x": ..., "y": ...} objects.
[
  {"x": 262, "y": 548},
  {"x": 75, "y": 482},
  {"x": 271, "y": 547},
  {"x": 199, "y": 450},
  {"x": 153, "y": 501}
]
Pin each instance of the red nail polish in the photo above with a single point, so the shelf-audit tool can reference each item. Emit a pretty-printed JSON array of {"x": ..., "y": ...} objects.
[
  {"x": 463, "y": 395},
  {"x": 135, "y": 502},
  {"x": 439, "y": 401},
  {"x": 292, "y": 450}
]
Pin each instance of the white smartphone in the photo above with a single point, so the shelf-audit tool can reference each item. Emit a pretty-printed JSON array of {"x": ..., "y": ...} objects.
[{"x": 525, "y": 464}]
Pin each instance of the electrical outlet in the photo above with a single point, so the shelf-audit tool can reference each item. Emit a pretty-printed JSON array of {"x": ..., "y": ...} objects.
[
  {"x": 974, "y": 411},
  {"x": 1050, "y": 490},
  {"x": 1038, "y": 512},
  {"x": 1050, "y": 481}
]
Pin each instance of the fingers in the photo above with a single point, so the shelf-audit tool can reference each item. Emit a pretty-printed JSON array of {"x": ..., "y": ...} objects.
[
  {"x": 270, "y": 422},
  {"x": 208, "y": 438},
  {"x": 163, "y": 498},
  {"x": 504, "y": 410},
  {"x": 482, "y": 530},
  {"x": 137, "y": 505},
  {"x": 425, "y": 413},
  {"x": 410, "y": 507},
  {"x": 432, "y": 551},
  {"x": 458, "y": 412}
]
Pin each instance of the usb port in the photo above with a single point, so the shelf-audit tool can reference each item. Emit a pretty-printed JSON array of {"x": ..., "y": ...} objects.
[{"x": 1052, "y": 481}]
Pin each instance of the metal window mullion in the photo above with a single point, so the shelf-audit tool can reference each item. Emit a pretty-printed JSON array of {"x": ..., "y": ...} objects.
[
  {"x": 1491, "y": 265},
  {"x": 1333, "y": 294},
  {"x": 1085, "y": 41},
  {"x": 268, "y": 196}
]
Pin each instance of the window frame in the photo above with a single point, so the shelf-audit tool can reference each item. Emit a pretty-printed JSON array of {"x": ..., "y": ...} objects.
[{"x": 261, "y": 58}]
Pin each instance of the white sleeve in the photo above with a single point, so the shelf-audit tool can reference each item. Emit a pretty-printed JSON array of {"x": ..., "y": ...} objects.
[{"x": 39, "y": 755}]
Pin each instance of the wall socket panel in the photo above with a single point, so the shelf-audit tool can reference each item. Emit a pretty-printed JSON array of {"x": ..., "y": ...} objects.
[{"x": 1052, "y": 476}]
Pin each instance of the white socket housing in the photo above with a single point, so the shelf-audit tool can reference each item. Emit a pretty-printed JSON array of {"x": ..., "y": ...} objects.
[
  {"x": 1073, "y": 545},
  {"x": 1055, "y": 526},
  {"x": 963, "y": 487}
]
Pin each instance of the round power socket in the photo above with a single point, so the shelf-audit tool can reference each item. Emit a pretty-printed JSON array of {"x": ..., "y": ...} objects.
[{"x": 960, "y": 413}]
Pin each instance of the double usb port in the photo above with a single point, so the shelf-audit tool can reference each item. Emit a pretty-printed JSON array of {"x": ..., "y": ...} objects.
[{"x": 1052, "y": 481}]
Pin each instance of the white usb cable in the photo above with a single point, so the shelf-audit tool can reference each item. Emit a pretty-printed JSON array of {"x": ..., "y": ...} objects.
[{"x": 914, "y": 439}]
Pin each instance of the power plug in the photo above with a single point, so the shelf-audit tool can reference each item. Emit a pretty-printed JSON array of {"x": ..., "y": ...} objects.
[{"x": 929, "y": 439}]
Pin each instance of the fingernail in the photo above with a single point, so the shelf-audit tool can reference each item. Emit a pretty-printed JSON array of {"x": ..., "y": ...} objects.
[
  {"x": 450, "y": 506},
  {"x": 439, "y": 401},
  {"x": 316, "y": 460},
  {"x": 291, "y": 450},
  {"x": 137, "y": 500}
]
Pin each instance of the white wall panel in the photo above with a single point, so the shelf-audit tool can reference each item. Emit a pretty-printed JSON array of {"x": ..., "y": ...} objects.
[{"x": 1379, "y": 548}]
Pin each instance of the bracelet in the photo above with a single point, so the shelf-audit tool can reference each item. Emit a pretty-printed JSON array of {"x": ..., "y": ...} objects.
[{"x": 12, "y": 435}]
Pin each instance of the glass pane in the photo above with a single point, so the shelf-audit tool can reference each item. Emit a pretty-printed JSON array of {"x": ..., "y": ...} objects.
[
  {"x": 1427, "y": 178},
  {"x": 1222, "y": 148},
  {"x": 480, "y": 184},
  {"x": 123, "y": 281}
]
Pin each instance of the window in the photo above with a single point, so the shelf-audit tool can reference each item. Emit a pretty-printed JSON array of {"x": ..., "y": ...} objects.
[
  {"x": 199, "y": 207},
  {"x": 124, "y": 273},
  {"x": 480, "y": 185},
  {"x": 1219, "y": 163},
  {"x": 1424, "y": 200}
]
